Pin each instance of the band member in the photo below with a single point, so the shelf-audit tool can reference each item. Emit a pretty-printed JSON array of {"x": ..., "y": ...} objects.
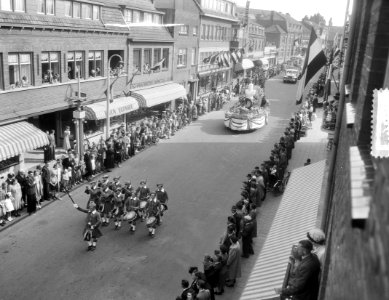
[
  {"x": 162, "y": 196},
  {"x": 93, "y": 220},
  {"x": 128, "y": 189},
  {"x": 132, "y": 204},
  {"x": 107, "y": 197},
  {"x": 153, "y": 209},
  {"x": 143, "y": 192},
  {"x": 94, "y": 193},
  {"x": 118, "y": 208}
]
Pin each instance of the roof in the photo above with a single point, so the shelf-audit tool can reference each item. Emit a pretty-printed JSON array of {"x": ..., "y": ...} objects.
[
  {"x": 274, "y": 29},
  {"x": 139, "y": 4},
  {"x": 150, "y": 33},
  {"x": 54, "y": 22},
  {"x": 219, "y": 15}
]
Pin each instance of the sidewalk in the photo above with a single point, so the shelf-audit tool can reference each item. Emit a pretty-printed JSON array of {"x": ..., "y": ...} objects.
[{"x": 260, "y": 273}]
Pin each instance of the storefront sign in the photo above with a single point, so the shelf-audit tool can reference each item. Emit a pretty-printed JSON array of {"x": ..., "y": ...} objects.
[
  {"x": 121, "y": 110},
  {"x": 147, "y": 83}
]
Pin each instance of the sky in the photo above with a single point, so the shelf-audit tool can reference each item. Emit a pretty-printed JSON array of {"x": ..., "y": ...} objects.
[{"x": 334, "y": 9}]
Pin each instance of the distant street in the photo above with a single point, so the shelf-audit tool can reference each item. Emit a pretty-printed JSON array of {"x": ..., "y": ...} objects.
[{"x": 202, "y": 168}]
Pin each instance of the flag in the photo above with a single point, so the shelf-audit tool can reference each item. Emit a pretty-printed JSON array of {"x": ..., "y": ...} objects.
[
  {"x": 296, "y": 42},
  {"x": 226, "y": 60},
  {"x": 158, "y": 65},
  {"x": 234, "y": 57},
  {"x": 239, "y": 56},
  {"x": 213, "y": 58},
  {"x": 220, "y": 61},
  {"x": 315, "y": 59},
  {"x": 207, "y": 59}
]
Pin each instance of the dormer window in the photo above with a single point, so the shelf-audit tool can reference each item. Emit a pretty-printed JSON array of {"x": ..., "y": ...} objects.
[
  {"x": 46, "y": 7},
  {"x": 78, "y": 10},
  {"x": 13, "y": 5}
]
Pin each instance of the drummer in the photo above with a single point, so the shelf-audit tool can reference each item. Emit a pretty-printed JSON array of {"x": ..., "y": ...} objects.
[
  {"x": 118, "y": 207},
  {"x": 162, "y": 196},
  {"x": 143, "y": 192},
  {"x": 128, "y": 189},
  {"x": 153, "y": 209},
  {"x": 132, "y": 204},
  {"x": 107, "y": 197}
]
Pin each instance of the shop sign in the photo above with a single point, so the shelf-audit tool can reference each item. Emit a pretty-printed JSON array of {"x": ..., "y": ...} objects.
[
  {"x": 121, "y": 110},
  {"x": 147, "y": 83}
]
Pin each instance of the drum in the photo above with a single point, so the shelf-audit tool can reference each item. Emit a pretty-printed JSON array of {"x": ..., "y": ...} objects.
[
  {"x": 142, "y": 204},
  {"x": 163, "y": 207},
  {"x": 130, "y": 216},
  {"x": 151, "y": 221}
]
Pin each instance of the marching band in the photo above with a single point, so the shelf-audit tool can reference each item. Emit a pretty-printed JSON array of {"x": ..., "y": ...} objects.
[{"x": 110, "y": 200}]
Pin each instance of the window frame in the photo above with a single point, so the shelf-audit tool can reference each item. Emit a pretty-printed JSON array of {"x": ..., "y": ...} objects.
[
  {"x": 94, "y": 9},
  {"x": 182, "y": 58},
  {"x": 150, "y": 60},
  {"x": 13, "y": 6},
  {"x": 158, "y": 58},
  {"x": 184, "y": 30},
  {"x": 84, "y": 12},
  {"x": 195, "y": 30},
  {"x": 94, "y": 62},
  {"x": 140, "y": 60},
  {"x": 49, "y": 54},
  {"x": 82, "y": 76},
  {"x": 166, "y": 62},
  {"x": 18, "y": 54},
  {"x": 193, "y": 56},
  {"x": 127, "y": 13},
  {"x": 71, "y": 8},
  {"x": 74, "y": 4}
]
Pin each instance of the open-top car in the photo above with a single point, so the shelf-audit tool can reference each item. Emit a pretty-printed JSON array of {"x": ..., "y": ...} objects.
[{"x": 291, "y": 75}]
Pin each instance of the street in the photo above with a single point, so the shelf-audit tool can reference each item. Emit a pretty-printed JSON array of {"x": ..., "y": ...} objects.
[{"x": 202, "y": 168}]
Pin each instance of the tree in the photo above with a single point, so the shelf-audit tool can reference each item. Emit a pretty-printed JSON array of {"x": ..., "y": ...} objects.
[{"x": 316, "y": 18}]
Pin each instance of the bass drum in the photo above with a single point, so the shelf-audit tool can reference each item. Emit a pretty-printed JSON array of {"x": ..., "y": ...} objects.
[
  {"x": 142, "y": 204},
  {"x": 151, "y": 221},
  {"x": 130, "y": 216}
]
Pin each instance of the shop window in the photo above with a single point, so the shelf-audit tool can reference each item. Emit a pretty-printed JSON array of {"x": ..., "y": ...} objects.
[
  {"x": 182, "y": 57},
  {"x": 128, "y": 15},
  {"x": 136, "y": 60},
  {"x": 93, "y": 126},
  {"x": 165, "y": 55},
  {"x": 75, "y": 64},
  {"x": 194, "y": 30},
  {"x": 95, "y": 63},
  {"x": 96, "y": 12},
  {"x": 76, "y": 10},
  {"x": 86, "y": 11},
  {"x": 136, "y": 16},
  {"x": 183, "y": 30},
  {"x": 50, "y": 67},
  {"x": 156, "y": 58},
  {"x": 146, "y": 60},
  {"x": 193, "y": 57},
  {"x": 13, "y": 5},
  {"x": 20, "y": 69},
  {"x": 46, "y": 7},
  {"x": 147, "y": 18}
]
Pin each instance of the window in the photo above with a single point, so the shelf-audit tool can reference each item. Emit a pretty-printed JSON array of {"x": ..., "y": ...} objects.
[
  {"x": 157, "y": 19},
  {"x": 95, "y": 59},
  {"x": 203, "y": 28},
  {"x": 147, "y": 18},
  {"x": 96, "y": 12},
  {"x": 13, "y": 5},
  {"x": 194, "y": 30},
  {"x": 146, "y": 60},
  {"x": 193, "y": 57},
  {"x": 50, "y": 67},
  {"x": 86, "y": 11},
  {"x": 75, "y": 64},
  {"x": 76, "y": 10},
  {"x": 165, "y": 55},
  {"x": 1, "y": 72},
  {"x": 68, "y": 9},
  {"x": 181, "y": 62},
  {"x": 20, "y": 70},
  {"x": 136, "y": 16},
  {"x": 128, "y": 15},
  {"x": 46, "y": 7},
  {"x": 136, "y": 60},
  {"x": 183, "y": 30},
  {"x": 207, "y": 32},
  {"x": 156, "y": 57},
  {"x": 222, "y": 6}
]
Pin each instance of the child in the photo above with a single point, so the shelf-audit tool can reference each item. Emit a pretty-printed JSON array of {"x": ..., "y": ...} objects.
[
  {"x": 65, "y": 179},
  {"x": 70, "y": 174}
]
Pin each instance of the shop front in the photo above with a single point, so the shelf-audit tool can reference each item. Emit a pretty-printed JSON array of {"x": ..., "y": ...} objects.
[
  {"x": 15, "y": 140},
  {"x": 96, "y": 117}
]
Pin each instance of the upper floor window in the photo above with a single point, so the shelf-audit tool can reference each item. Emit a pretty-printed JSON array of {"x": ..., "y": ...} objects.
[
  {"x": 194, "y": 30},
  {"x": 86, "y": 11},
  {"x": 156, "y": 57},
  {"x": 46, "y": 7},
  {"x": 96, "y": 12},
  {"x": 79, "y": 10},
  {"x": 184, "y": 30},
  {"x": 128, "y": 15},
  {"x": 136, "y": 60},
  {"x": 165, "y": 56},
  {"x": 147, "y": 18},
  {"x": 136, "y": 16},
  {"x": 75, "y": 64},
  {"x": 182, "y": 57},
  {"x": 193, "y": 57},
  {"x": 20, "y": 69},
  {"x": 95, "y": 63},
  {"x": 1, "y": 72},
  {"x": 146, "y": 60},
  {"x": 157, "y": 19},
  {"x": 13, "y": 5},
  {"x": 76, "y": 10},
  {"x": 50, "y": 67}
]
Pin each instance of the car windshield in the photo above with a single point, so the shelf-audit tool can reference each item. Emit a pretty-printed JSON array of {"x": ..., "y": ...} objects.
[{"x": 291, "y": 72}]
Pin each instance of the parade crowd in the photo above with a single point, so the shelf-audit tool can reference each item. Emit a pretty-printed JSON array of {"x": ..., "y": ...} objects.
[{"x": 223, "y": 267}]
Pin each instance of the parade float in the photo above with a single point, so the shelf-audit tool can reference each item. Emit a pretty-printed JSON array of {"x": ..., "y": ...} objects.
[{"x": 247, "y": 114}]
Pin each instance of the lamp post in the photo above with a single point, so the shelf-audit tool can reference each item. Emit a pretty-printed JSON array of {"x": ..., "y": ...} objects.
[{"x": 109, "y": 87}]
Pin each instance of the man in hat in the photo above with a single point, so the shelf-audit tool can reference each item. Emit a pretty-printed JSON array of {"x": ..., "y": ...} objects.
[
  {"x": 128, "y": 189},
  {"x": 162, "y": 196},
  {"x": 304, "y": 283},
  {"x": 247, "y": 236},
  {"x": 107, "y": 199},
  {"x": 131, "y": 203},
  {"x": 143, "y": 192},
  {"x": 93, "y": 220},
  {"x": 317, "y": 237},
  {"x": 31, "y": 193},
  {"x": 94, "y": 193},
  {"x": 153, "y": 209},
  {"x": 118, "y": 208}
]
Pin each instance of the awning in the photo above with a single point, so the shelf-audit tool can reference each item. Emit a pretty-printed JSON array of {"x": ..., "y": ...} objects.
[
  {"x": 119, "y": 106},
  {"x": 296, "y": 215},
  {"x": 244, "y": 65},
  {"x": 20, "y": 137},
  {"x": 159, "y": 94}
]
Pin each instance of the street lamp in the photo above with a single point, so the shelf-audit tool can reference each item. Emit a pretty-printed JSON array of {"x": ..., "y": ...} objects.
[{"x": 116, "y": 70}]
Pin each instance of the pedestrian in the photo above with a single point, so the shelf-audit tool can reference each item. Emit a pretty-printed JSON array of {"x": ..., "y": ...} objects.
[
  {"x": 38, "y": 187},
  {"x": 223, "y": 274},
  {"x": 187, "y": 292},
  {"x": 51, "y": 152},
  {"x": 247, "y": 237},
  {"x": 22, "y": 179},
  {"x": 91, "y": 231},
  {"x": 253, "y": 215},
  {"x": 233, "y": 262},
  {"x": 31, "y": 193},
  {"x": 66, "y": 139},
  {"x": 46, "y": 182},
  {"x": 153, "y": 211},
  {"x": 203, "y": 294},
  {"x": 16, "y": 192},
  {"x": 163, "y": 198}
]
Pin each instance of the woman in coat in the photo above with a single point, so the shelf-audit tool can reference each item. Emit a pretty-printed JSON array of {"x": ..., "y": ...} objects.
[
  {"x": 16, "y": 191},
  {"x": 233, "y": 262}
]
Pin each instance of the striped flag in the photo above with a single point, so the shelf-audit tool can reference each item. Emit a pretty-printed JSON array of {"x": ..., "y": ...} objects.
[
  {"x": 234, "y": 57},
  {"x": 226, "y": 59},
  {"x": 220, "y": 61},
  {"x": 213, "y": 58},
  {"x": 239, "y": 56},
  {"x": 315, "y": 59},
  {"x": 158, "y": 65}
]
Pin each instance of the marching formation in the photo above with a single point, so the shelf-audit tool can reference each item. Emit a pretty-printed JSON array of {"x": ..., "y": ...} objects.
[{"x": 110, "y": 200}]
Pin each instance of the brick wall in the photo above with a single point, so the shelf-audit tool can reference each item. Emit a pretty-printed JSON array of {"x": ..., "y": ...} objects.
[{"x": 356, "y": 265}]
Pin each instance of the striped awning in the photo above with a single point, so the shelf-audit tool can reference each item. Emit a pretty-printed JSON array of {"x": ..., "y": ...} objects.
[
  {"x": 119, "y": 106},
  {"x": 159, "y": 94},
  {"x": 20, "y": 137},
  {"x": 296, "y": 215}
]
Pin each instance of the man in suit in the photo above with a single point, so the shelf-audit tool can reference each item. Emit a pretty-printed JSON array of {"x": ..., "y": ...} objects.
[
  {"x": 186, "y": 289},
  {"x": 46, "y": 181},
  {"x": 31, "y": 193},
  {"x": 304, "y": 282}
]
